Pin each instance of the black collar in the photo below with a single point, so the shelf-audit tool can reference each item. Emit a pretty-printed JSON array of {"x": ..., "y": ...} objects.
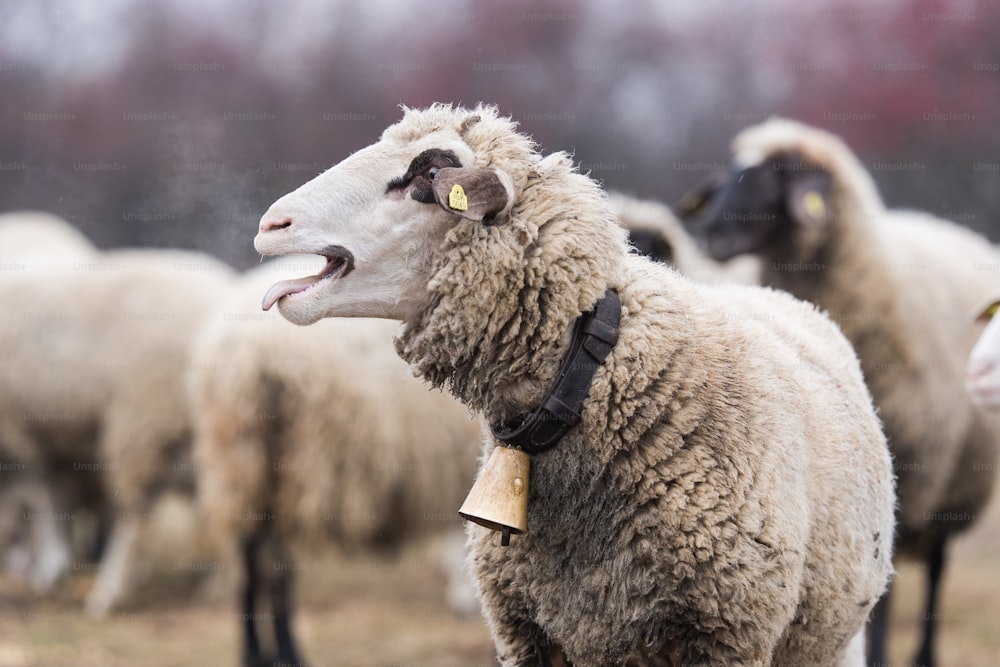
[{"x": 594, "y": 334}]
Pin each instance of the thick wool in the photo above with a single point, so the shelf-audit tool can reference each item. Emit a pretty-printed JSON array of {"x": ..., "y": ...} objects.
[
  {"x": 29, "y": 242},
  {"x": 651, "y": 216},
  {"x": 321, "y": 431},
  {"x": 92, "y": 389},
  {"x": 901, "y": 285},
  {"x": 728, "y": 495}
]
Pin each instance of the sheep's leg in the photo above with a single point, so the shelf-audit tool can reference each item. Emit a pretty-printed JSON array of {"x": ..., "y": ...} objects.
[
  {"x": 878, "y": 629},
  {"x": 925, "y": 657},
  {"x": 48, "y": 538},
  {"x": 281, "y": 604},
  {"x": 116, "y": 568},
  {"x": 251, "y": 585}
]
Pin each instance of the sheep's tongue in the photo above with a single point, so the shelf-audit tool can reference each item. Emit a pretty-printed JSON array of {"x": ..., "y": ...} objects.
[{"x": 284, "y": 288}]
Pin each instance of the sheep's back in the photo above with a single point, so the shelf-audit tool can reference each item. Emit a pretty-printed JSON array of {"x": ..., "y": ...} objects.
[{"x": 31, "y": 239}]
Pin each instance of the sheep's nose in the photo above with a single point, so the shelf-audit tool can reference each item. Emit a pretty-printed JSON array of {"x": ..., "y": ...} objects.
[{"x": 274, "y": 223}]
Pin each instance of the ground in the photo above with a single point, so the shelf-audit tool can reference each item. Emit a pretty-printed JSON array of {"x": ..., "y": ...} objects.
[{"x": 364, "y": 611}]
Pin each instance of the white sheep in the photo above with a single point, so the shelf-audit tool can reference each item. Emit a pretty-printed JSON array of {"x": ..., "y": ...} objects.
[
  {"x": 657, "y": 233},
  {"x": 723, "y": 495},
  {"x": 92, "y": 398},
  {"x": 900, "y": 285},
  {"x": 32, "y": 238},
  {"x": 982, "y": 375},
  {"x": 34, "y": 241},
  {"x": 306, "y": 436}
]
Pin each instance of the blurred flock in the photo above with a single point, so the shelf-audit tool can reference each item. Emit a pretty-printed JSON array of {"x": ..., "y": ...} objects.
[{"x": 175, "y": 125}]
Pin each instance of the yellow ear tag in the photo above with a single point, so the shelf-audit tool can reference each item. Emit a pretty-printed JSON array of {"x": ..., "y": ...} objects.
[
  {"x": 814, "y": 204},
  {"x": 457, "y": 199}
]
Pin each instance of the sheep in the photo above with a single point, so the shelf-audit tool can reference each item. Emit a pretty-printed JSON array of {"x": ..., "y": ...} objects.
[
  {"x": 31, "y": 238},
  {"x": 900, "y": 285},
  {"x": 31, "y": 241},
  {"x": 724, "y": 494},
  {"x": 92, "y": 401},
  {"x": 981, "y": 375},
  {"x": 323, "y": 433},
  {"x": 657, "y": 233}
]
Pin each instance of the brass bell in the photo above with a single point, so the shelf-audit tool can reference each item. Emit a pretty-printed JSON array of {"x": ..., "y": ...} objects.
[{"x": 499, "y": 498}]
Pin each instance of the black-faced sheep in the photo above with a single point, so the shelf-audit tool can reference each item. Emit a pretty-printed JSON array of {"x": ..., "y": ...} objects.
[
  {"x": 306, "y": 436},
  {"x": 726, "y": 495},
  {"x": 92, "y": 394},
  {"x": 900, "y": 285}
]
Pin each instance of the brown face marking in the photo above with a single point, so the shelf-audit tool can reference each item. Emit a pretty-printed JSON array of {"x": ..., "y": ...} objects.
[{"x": 421, "y": 172}]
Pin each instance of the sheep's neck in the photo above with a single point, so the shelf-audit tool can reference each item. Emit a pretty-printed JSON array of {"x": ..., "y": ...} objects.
[
  {"x": 499, "y": 361},
  {"x": 594, "y": 335}
]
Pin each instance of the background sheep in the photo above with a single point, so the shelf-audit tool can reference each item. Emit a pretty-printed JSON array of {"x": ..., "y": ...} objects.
[
  {"x": 706, "y": 509},
  {"x": 982, "y": 375},
  {"x": 31, "y": 241},
  {"x": 92, "y": 398},
  {"x": 900, "y": 285},
  {"x": 657, "y": 233},
  {"x": 311, "y": 435},
  {"x": 29, "y": 238}
]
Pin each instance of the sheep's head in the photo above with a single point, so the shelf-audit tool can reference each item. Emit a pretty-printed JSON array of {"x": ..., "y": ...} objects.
[
  {"x": 780, "y": 195},
  {"x": 757, "y": 207},
  {"x": 982, "y": 377},
  {"x": 381, "y": 215}
]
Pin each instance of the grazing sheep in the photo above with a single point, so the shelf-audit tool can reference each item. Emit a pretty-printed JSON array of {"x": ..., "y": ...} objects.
[
  {"x": 312, "y": 434},
  {"x": 725, "y": 495},
  {"x": 91, "y": 390},
  {"x": 900, "y": 285},
  {"x": 657, "y": 233},
  {"x": 982, "y": 375}
]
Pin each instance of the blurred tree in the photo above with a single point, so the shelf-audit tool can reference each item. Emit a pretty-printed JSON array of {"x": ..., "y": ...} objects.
[{"x": 178, "y": 124}]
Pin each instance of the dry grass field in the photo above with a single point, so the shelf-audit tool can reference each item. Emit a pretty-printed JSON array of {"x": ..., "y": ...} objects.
[
  {"x": 381, "y": 612},
  {"x": 352, "y": 611}
]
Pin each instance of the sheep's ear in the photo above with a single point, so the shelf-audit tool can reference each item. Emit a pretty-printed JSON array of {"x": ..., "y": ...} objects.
[
  {"x": 807, "y": 197},
  {"x": 482, "y": 195}
]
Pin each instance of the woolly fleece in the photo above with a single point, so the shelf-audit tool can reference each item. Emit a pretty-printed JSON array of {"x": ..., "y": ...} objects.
[{"x": 728, "y": 495}]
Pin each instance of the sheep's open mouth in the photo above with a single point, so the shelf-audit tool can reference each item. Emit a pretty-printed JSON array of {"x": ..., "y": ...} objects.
[{"x": 339, "y": 262}]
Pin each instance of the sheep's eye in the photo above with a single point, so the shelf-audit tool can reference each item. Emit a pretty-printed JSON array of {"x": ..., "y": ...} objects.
[{"x": 431, "y": 173}]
